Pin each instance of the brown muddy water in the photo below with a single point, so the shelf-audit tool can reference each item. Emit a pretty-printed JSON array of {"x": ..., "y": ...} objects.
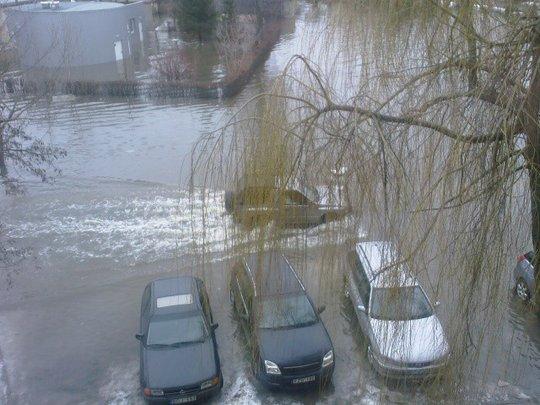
[{"x": 121, "y": 215}]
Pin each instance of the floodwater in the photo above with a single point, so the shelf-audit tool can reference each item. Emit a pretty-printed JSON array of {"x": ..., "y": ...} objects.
[{"x": 121, "y": 215}]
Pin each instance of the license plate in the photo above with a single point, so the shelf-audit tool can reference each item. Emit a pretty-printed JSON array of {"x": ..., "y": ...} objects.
[
  {"x": 303, "y": 380},
  {"x": 184, "y": 400}
]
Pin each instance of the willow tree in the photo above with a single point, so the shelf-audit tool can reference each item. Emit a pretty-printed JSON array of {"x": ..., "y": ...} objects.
[{"x": 431, "y": 111}]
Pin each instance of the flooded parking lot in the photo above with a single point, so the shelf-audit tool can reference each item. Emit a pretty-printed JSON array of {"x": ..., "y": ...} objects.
[{"x": 121, "y": 215}]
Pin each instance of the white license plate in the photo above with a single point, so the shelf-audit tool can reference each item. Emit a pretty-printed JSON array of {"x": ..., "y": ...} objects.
[
  {"x": 184, "y": 400},
  {"x": 303, "y": 380}
]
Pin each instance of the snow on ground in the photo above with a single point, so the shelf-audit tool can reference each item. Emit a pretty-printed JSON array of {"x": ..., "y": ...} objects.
[{"x": 3, "y": 383}]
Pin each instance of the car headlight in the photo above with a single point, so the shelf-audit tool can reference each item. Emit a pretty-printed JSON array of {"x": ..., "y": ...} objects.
[
  {"x": 328, "y": 359},
  {"x": 210, "y": 383},
  {"x": 271, "y": 367},
  {"x": 153, "y": 392}
]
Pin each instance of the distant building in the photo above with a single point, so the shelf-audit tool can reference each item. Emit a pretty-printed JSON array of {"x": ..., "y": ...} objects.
[
  {"x": 267, "y": 8},
  {"x": 79, "y": 38}
]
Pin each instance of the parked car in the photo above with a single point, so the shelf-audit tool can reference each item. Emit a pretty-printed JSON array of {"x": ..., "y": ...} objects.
[
  {"x": 289, "y": 343},
  {"x": 405, "y": 336},
  {"x": 288, "y": 207},
  {"x": 525, "y": 277},
  {"x": 179, "y": 360}
]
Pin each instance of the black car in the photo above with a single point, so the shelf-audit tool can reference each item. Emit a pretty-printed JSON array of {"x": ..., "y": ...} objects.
[
  {"x": 178, "y": 351},
  {"x": 289, "y": 344}
]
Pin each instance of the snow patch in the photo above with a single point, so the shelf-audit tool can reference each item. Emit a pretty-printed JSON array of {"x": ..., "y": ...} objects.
[
  {"x": 122, "y": 385},
  {"x": 242, "y": 392},
  {"x": 3, "y": 384}
]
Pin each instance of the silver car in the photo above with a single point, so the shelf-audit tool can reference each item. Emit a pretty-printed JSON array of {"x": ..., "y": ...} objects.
[
  {"x": 524, "y": 277},
  {"x": 406, "y": 338}
]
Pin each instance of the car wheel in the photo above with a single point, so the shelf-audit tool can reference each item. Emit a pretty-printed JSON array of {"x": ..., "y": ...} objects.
[{"x": 522, "y": 290}]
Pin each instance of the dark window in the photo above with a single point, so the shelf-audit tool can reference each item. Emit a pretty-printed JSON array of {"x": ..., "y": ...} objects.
[
  {"x": 246, "y": 288},
  {"x": 400, "y": 304},
  {"x": 286, "y": 311},
  {"x": 173, "y": 330},
  {"x": 293, "y": 197},
  {"x": 360, "y": 277},
  {"x": 145, "y": 304},
  {"x": 205, "y": 302}
]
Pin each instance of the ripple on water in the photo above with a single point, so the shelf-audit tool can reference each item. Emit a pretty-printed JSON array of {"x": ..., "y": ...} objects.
[{"x": 149, "y": 225}]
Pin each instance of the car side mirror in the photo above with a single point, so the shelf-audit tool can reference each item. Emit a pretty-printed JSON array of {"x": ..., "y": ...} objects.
[
  {"x": 321, "y": 309},
  {"x": 215, "y": 326},
  {"x": 361, "y": 308},
  {"x": 139, "y": 336},
  {"x": 437, "y": 303}
]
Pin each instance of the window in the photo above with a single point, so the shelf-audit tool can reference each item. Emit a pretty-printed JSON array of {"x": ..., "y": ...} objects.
[
  {"x": 166, "y": 330},
  {"x": 360, "y": 277},
  {"x": 286, "y": 311},
  {"x": 399, "y": 304},
  {"x": 246, "y": 289},
  {"x": 205, "y": 303},
  {"x": 145, "y": 305},
  {"x": 131, "y": 25}
]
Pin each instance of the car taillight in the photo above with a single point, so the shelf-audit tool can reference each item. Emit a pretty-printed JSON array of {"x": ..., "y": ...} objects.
[{"x": 520, "y": 258}]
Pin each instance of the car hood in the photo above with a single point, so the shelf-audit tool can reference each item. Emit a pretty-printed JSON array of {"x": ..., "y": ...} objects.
[
  {"x": 294, "y": 346},
  {"x": 182, "y": 366},
  {"x": 418, "y": 340}
]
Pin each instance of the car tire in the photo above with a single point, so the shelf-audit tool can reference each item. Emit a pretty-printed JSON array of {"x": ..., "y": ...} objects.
[{"x": 522, "y": 290}]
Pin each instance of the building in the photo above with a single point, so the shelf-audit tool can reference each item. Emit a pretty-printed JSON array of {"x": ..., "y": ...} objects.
[{"x": 84, "y": 40}]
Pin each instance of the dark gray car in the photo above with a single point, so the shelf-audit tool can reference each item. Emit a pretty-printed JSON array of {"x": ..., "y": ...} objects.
[
  {"x": 179, "y": 361},
  {"x": 289, "y": 344}
]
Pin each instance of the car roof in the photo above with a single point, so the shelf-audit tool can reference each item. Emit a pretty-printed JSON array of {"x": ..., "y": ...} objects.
[
  {"x": 378, "y": 258},
  {"x": 175, "y": 295},
  {"x": 276, "y": 275}
]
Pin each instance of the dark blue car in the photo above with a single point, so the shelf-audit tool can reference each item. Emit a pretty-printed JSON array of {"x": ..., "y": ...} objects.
[
  {"x": 290, "y": 347},
  {"x": 179, "y": 361}
]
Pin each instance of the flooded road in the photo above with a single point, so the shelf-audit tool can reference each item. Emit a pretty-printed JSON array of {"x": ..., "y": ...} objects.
[{"x": 121, "y": 215}]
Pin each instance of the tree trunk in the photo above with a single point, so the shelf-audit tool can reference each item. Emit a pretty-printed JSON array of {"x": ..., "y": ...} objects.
[
  {"x": 534, "y": 184},
  {"x": 531, "y": 127}
]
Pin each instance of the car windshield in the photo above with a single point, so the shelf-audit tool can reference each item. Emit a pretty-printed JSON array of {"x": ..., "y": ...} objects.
[
  {"x": 169, "y": 331},
  {"x": 399, "y": 304},
  {"x": 286, "y": 311}
]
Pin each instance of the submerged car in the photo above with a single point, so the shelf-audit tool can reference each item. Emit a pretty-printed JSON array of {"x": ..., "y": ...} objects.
[
  {"x": 179, "y": 360},
  {"x": 289, "y": 343},
  {"x": 405, "y": 336},
  {"x": 525, "y": 276},
  {"x": 288, "y": 207}
]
